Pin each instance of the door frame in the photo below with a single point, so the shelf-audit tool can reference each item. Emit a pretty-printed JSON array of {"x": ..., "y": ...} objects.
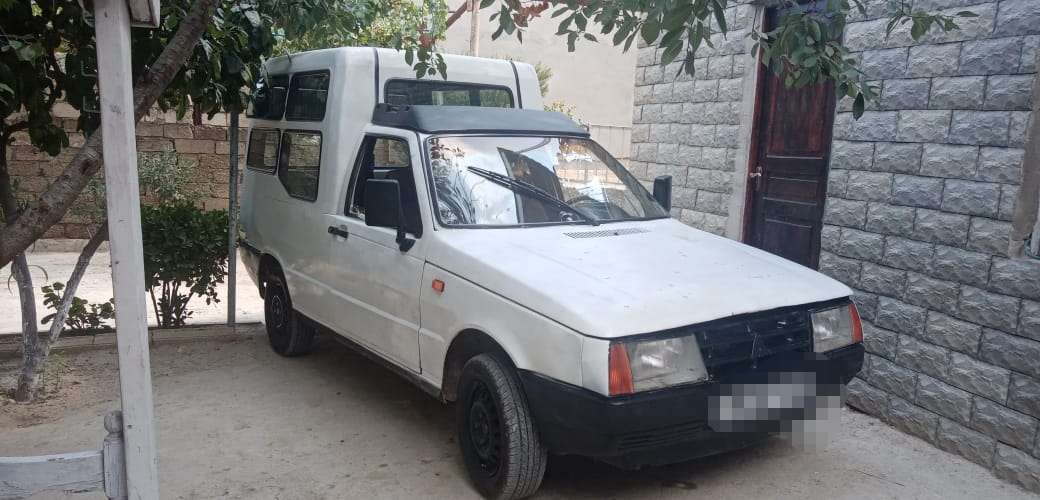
[
  {"x": 749, "y": 112},
  {"x": 753, "y": 146},
  {"x": 743, "y": 192}
]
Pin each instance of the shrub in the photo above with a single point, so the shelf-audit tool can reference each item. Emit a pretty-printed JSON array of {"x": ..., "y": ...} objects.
[
  {"x": 83, "y": 317},
  {"x": 185, "y": 256}
]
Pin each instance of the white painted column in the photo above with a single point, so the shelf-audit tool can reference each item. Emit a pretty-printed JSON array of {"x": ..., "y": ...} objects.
[{"x": 112, "y": 27}]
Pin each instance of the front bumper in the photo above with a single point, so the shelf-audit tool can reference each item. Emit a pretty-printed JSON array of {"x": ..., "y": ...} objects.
[{"x": 655, "y": 427}]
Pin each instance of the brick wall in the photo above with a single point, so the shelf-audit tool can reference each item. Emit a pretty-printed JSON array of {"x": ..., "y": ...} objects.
[
  {"x": 920, "y": 198},
  {"x": 687, "y": 127},
  {"x": 205, "y": 145},
  {"x": 917, "y": 217}
]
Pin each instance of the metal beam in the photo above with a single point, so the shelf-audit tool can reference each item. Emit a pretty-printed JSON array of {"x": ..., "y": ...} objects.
[{"x": 112, "y": 28}]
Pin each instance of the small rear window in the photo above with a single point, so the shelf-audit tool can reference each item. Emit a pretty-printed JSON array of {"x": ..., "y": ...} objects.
[
  {"x": 401, "y": 92},
  {"x": 268, "y": 99},
  {"x": 263, "y": 150},
  {"x": 299, "y": 165},
  {"x": 308, "y": 95}
]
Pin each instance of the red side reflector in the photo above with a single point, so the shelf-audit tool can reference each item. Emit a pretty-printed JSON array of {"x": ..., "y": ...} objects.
[
  {"x": 857, "y": 326},
  {"x": 438, "y": 286},
  {"x": 620, "y": 374}
]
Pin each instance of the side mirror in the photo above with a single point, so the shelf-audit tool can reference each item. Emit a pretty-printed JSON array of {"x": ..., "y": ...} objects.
[
  {"x": 663, "y": 191},
  {"x": 383, "y": 208}
]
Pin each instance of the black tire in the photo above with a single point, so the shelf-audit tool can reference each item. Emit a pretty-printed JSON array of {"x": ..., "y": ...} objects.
[
  {"x": 288, "y": 333},
  {"x": 504, "y": 457}
]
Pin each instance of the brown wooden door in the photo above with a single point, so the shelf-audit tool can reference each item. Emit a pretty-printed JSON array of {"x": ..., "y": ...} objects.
[{"x": 787, "y": 174}]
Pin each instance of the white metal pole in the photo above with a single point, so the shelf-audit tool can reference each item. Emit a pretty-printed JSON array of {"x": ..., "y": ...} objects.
[{"x": 112, "y": 28}]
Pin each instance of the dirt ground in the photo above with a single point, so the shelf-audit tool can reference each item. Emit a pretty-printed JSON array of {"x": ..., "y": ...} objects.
[{"x": 237, "y": 421}]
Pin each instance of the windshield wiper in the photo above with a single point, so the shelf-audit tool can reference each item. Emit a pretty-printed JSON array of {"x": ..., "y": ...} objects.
[{"x": 526, "y": 188}]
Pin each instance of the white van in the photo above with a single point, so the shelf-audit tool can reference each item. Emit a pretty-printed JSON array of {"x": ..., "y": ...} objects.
[{"x": 500, "y": 259}]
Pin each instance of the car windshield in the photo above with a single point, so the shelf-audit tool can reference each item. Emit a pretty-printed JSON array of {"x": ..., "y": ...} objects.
[{"x": 507, "y": 181}]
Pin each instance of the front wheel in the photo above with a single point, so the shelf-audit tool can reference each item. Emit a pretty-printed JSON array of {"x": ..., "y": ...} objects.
[
  {"x": 286, "y": 330},
  {"x": 504, "y": 457}
]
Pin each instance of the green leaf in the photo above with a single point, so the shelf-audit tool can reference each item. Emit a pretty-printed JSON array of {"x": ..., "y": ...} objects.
[
  {"x": 720, "y": 15},
  {"x": 649, "y": 31},
  {"x": 858, "y": 105},
  {"x": 254, "y": 18},
  {"x": 670, "y": 52}
]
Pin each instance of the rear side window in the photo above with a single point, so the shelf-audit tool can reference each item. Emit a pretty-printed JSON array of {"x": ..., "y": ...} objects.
[
  {"x": 308, "y": 95},
  {"x": 268, "y": 99},
  {"x": 263, "y": 150},
  {"x": 299, "y": 163},
  {"x": 401, "y": 92}
]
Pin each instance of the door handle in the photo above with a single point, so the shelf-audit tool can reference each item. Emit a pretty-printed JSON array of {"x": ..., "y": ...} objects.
[
  {"x": 337, "y": 231},
  {"x": 757, "y": 177}
]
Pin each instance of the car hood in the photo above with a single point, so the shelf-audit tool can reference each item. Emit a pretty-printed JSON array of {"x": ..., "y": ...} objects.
[{"x": 629, "y": 278}]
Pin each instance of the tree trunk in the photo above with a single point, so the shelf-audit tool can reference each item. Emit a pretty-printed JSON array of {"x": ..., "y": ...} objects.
[
  {"x": 26, "y": 227},
  {"x": 32, "y": 366},
  {"x": 32, "y": 355},
  {"x": 72, "y": 284},
  {"x": 26, "y": 298}
]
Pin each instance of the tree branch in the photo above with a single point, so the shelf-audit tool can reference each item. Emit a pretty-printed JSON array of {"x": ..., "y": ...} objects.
[
  {"x": 456, "y": 15},
  {"x": 22, "y": 230}
]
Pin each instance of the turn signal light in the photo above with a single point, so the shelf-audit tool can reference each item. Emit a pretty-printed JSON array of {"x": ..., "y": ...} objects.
[
  {"x": 438, "y": 286},
  {"x": 857, "y": 326},
  {"x": 620, "y": 371}
]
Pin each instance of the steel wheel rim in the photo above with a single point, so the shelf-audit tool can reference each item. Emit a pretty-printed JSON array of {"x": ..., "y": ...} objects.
[{"x": 485, "y": 429}]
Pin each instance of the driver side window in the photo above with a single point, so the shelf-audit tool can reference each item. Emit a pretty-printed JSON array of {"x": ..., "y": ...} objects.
[{"x": 385, "y": 158}]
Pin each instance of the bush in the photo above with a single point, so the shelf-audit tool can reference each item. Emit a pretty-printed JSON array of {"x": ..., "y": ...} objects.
[
  {"x": 83, "y": 317},
  {"x": 185, "y": 256}
]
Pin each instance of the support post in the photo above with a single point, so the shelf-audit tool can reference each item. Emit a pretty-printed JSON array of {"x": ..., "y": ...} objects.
[
  {"x": 232, "y": 215},
  {"x": 474, "y": 28},
  {"x": 112, "y": 28}
]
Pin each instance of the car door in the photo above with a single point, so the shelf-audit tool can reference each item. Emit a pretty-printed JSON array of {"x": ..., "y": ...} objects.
[{"x": 376, "y": 283}]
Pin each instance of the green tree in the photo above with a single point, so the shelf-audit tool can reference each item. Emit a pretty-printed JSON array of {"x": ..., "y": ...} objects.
[
  {"x": 392, "y": 23},
  {"x": 202, "y": 57}
]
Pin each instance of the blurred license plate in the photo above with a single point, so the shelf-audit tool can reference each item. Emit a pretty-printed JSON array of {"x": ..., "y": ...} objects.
[{"x": 770, "y": 406}]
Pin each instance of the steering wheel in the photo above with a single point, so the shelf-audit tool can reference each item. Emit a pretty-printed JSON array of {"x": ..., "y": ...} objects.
[{"x": 601, "y": 209}]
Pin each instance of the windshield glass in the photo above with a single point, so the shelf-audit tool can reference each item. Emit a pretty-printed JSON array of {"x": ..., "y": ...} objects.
[{"x": 574, "y": 181}]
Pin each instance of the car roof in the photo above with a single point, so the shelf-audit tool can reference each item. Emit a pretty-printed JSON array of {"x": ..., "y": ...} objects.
[{"x": 430, "y": 119}]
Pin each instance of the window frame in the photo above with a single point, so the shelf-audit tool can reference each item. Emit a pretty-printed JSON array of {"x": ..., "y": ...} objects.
[
  {"x": 289, "y": 92},
  {"x": 321, "y": 149},
  {"x": 277, "y": 150},
  {"x": 470, "y": 85},
  {"x": 356, "y": 170},
  {"x": 267, "y": 79}
]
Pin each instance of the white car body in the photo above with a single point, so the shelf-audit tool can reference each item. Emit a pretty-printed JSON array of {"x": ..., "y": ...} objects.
[{"x": 552, "y": 297}]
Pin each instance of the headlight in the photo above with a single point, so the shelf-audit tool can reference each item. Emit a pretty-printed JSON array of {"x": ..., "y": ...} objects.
[
  {"x": 836, "y": 327},
  {"x": 653, "y": 364}
]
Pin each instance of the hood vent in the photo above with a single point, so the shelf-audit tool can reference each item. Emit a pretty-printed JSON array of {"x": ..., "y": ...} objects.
[{"x": 608, "y": 232}]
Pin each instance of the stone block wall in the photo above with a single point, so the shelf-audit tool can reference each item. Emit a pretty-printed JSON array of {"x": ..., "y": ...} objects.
[
  {"x": 921, "y": 192},
  {"x": 920, "y": 197},
  {"x": 687, "y": 126},
  {"x": 204, "y": 145}
]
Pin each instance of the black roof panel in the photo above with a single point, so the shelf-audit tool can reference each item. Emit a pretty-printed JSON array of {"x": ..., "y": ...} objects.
[{"x": 469, "y": 119}]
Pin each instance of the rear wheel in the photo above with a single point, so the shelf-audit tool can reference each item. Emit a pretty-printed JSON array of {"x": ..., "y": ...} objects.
[
  {"x": 287, "y": 331},
  {"x": 504, "y": 457}
]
